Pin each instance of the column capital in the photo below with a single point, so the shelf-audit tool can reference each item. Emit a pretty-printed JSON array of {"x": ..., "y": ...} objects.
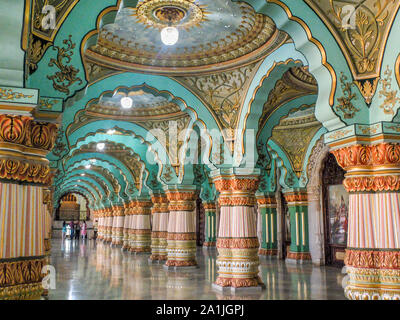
[
  {"x": 296, "y": 197},
  {"x": 236, "y": 189},
  {"x": 209, "y": 205},
  {"x": 266, "y": 200},
  {"x": 160, "y": 203},
  {"x": 182, "y": 199},
  {"x": 370, "y": 167},
  {"x": 24, "y": 144}
]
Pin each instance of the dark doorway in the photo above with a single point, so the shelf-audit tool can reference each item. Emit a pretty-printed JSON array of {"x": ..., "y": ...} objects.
[{"x": 336, "y": 205}]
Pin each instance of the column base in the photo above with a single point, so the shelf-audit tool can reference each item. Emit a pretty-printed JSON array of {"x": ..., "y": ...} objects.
[
  {"x": 238, "y": 290},
  {"x": 298, "y": 258},
  {"x": 156, "y": 257},
  {"x": 211, "y": 244},
  {"x": 268, "y": 252}
]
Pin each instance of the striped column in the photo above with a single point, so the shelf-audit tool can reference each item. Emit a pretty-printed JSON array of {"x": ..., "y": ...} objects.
[
  {"x": 181, "y": 229},
  {"x": 142, "y": 242},
  {"x": 132, "y": 226},
  {"x": 118, "y": 225},
  {"x": 268, "y": 215},
  {"x": 373, "y": 244},
  {"x": 159, "y": 228},
  {"x": 298, "y": 210},
  {"x": 127, "y": 221},
  {"x": 100, "y": 225},
  {"x": 210, "y": 225},
  {"x": 237, "y": 241},
  {"x": 22, "y": 247},
  {"x": 109, "y": 223}
]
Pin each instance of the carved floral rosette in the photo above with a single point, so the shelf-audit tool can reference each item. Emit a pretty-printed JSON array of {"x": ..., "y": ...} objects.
[
  {"x": 21, "y": 279},
  {"x": 236, "y": 191},
  {"x": 370, "y": 168}
]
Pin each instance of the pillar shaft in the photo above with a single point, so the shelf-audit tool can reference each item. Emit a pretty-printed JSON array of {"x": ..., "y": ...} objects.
[
  {"x": 118, "y": 225},
  {"x": 210, "y": 225},
  {"x": 142, "y": 231},
  {"x": 268, "y": 215},
  {"x": 298, "y": 211},
  {"x": 159, "y": 233},
  {"x": 373, "y": 243},
  {"x": 237, "y": 241},
  {"x": 181, "y": 229},
  {"x": 127, "y": 221}
]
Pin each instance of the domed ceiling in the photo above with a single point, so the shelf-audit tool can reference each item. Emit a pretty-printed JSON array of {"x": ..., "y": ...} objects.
[{"x": 213, "y": 35}]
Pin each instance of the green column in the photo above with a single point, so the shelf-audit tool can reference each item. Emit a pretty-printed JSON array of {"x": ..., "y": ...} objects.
[
  {"x": 268, "y": 216},
  {"x": 298, "y": 211},
  {"x": 210, "y": 225}
]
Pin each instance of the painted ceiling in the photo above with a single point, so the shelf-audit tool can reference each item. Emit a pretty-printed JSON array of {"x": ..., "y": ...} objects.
[{"x": 217, "y": 33}]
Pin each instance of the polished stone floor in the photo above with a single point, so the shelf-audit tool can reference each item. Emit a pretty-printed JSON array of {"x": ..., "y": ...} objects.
[{"x": 94, "y": 271}]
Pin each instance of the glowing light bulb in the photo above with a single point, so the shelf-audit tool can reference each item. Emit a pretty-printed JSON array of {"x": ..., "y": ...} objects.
[
  {"x": 101, "y": 146},
  {"x": 111, "y": 131},
  {"x": 88, "y": 166},
  {"x": 169, "y": 36},
  {"x": 126, "y": 102}
]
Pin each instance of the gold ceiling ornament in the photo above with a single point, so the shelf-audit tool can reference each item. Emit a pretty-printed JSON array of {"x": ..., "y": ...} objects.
[
  {"x": 367, "y": 88},
  {"x": 295, "y": 83},
  {"x": 294, "y": 135},
  {"x": 345, "y": 103},
  {"x": 10, "y": 94},
  {"x": 391, "y": 98},
  {"x": 223, "y": 93},
  {"x": 162, "y": 13},
  {"x": 67, "y": 76},
  {"x": 361, "y": 29}
]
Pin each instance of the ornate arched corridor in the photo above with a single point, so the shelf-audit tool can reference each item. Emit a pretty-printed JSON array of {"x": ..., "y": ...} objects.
[{"x": 200, "y": 149}]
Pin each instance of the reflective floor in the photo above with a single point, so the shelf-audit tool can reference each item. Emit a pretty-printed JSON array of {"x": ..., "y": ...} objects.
[{"x": 89, "y": 270}]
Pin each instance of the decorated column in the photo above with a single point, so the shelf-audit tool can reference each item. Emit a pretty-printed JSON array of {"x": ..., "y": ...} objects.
[
  {"x": 237, "y": 241},
  {"x": 298, "y": 211},
  {"x": 373, "y": 243},
  {"x": 100, "y": 224},
  {"x": 127, "y": 221},
  {"x": 24, "y": 174},
  {"x": 159, "y": 228},
  {"x": 210, "y": 225},
  {"x": 268, "y": 215},
  {"x": 132, "y": 226},
  {"x": 108, "y": 224},
  {"x": 118, "y": 225},
  {"x": 181, "y": 227},
  {"x": 142, "y": 242}
]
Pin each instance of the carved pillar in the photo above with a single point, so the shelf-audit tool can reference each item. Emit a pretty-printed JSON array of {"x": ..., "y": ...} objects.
[
  {"x": 268, "y": 215},
  {"x": 127, "y": 221},
  {"x": 142, "y": 242},
  {"x": 210, "y": 225},
  {"x": 109, "y": 223},
  {"x": 237, "y": 241},
  {"x": 159, "y": 228},
  {"x": 298, "y": 210},
  {"x": 118, "y": 225},
  {"x": 24, "y": 174},
  {"x": 181, "y": 228},
  {"x": 373, "y": 254},
  {"x": 132, "y": 227},
  {"x": 100, "y": 225}
]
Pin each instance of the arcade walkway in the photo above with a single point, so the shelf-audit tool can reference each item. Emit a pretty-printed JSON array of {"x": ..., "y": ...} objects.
[{"x": 90, "y": 270}]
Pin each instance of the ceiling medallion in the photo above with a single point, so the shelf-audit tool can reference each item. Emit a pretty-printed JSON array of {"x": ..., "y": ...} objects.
[{"x": 180, "y": 13}]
